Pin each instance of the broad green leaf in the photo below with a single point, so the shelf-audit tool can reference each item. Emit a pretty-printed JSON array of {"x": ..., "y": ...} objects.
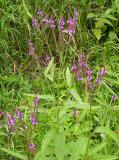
[
  {"x": 79, "y": 149},
  {"x": 60, "y": 145},
  {"x": 109, "y": 132},
  {"x": 45, "y": 143},
  {"x": 14, "y": 154},
  {"x": 97, "y": 33},
  {"x": 75, "y": 94},
  {"x": 68, "y": 77},
  {"x": 91, "y": 15},
  {"x": 112, "y": 35},
  {"x": 49, "y": 71}
]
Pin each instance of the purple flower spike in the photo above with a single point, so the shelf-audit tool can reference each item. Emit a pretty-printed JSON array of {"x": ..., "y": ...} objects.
[
  {"x": 19, "y": 114},
  {"x": 45, "y": 19},
  {"x": 36, "y": 101},
  {"x": 89, "y": 76},
  {"x": 31, "y": 48},
  {"x": 61, "y": 24},
  {"x": 71, "y": 26},
  {"x": 33, "y": 120},
  {"x": 75, "y": 113},
  {"x": 39, "y": 12},
  {"x": 74, "y": 67},
  {"x": 114, "y": 98},
  {"x": 75, "y": 15},
  {"x": 11, "y": 120},
  {"x": 34, "y": 22},
  {"x": 32, "y": 146},
  {"x": 51, "y": 22},
  {"x": 79, "y": 78},
  {"x": 98, "y": 80}
]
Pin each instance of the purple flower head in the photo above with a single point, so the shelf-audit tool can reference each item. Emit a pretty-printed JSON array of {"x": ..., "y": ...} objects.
[
  {"x": 51, "y": 22},
  {"x": 74, "y": 67},
  {"x": 82, "y": 61},
  {"x": 31, "y": 48},
  {"x": 45, "y": 19},
  {"x": 89, "y": 76},
  {"x": 114, "y": 98},
  {"x": 79, "y": 78},
  {"x": 102, "y": 71},
  {"x": 32, "y": 146},
  {"x": 71, "y": 26},
  {"x": 33, "y": 120},
  {"x": 61, "y": 24},
  {"x": 19, "y": 114},
  {"x": 75, "y": 15},
  {"x": 47, "y": 59},
  {"x": 34, "y": 22},
  {"x": 39, "y": 12},
  {"x": 75, "y": 113},
  {"x": 11, "y": 120},
  {"x": 98, "y": 80},
  {"x": 36, "y": 101}
]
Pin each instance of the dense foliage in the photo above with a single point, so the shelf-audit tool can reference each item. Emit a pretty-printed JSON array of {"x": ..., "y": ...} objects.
[{"x": 59, "y": 80}]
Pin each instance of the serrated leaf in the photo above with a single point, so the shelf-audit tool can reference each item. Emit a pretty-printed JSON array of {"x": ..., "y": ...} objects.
[
  {"x": 68, "y": 77},
  {"x": 14, "y": 154},
  {"x": 97, "y": 33}
]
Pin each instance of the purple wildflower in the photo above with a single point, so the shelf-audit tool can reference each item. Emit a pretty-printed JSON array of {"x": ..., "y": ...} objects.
[
  {"x": 45, "y": 19},
  {"x": 75, "y": 113},
  {"x": 39, "y": 12},
  {"x": 74, "y": 67},
  {"x": 32, "y": 146},
  {"x": 61, "y": 24},
  {"x": 33, "y": 120},
  {"x": 75, "y": 15},
  {"x": 31, "y": 48},
  {"x": 79, "y": 78},
  {"x": 89, "y": 76},
  {"x": 11, "y": 120},
  {"x": 82, "y": 61},
  {"x": 34, "y": 22},
  {"x": 114, "y": 98},
  {"x": 19, "y": 114},
  {"x": 36, "y": 101},
  {"x": 71, "y": 26},
  {"x": 51, "y": 22}
]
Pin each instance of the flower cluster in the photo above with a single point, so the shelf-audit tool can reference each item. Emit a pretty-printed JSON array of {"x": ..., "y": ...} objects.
[
  {"x": 31, "y": 48},
  {"x": 82, "y": 71}
]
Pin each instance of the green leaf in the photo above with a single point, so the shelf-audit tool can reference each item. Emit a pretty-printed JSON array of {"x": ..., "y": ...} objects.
[
  {"x": 79, "y": 149},
  {"x": 15, "y": 154},
  {"x": 60, "y": 145},
  {"x": 97, "y": 33},
  {"x": 68, "y": 77},
  {"x": 49, "y": 71},
  {"x": 75, "y": 94},
  {"x": 45, "y": 143}
]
